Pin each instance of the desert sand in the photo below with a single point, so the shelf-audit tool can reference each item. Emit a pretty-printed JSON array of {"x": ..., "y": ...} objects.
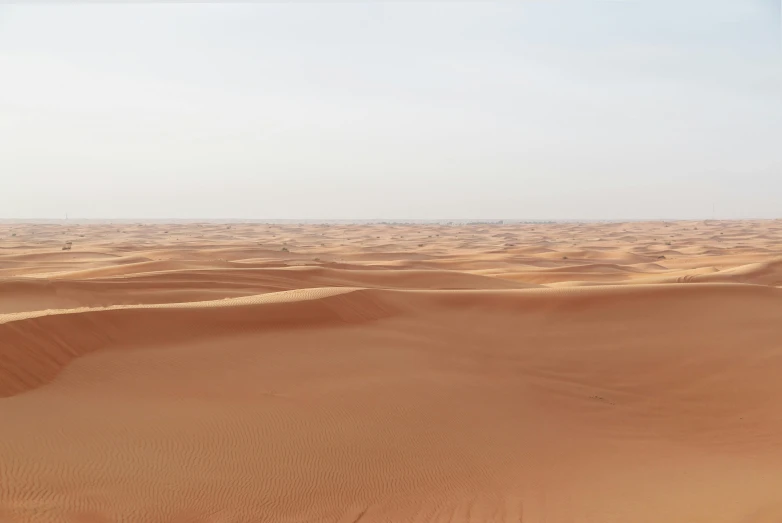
[{"x": 534, "y": 373}]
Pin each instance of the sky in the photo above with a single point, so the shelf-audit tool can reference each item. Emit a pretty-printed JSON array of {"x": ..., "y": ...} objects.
[{"x": 539, "y": 109}]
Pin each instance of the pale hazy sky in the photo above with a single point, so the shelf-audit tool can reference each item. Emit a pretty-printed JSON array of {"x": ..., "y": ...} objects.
[{"x": 538, "y": 109}]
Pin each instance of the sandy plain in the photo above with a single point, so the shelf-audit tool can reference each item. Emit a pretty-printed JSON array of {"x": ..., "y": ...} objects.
[{"x": 535, "y": 373}]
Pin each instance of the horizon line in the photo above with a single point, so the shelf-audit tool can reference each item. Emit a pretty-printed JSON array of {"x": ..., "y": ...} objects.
[{"x": 487, "y": 221}]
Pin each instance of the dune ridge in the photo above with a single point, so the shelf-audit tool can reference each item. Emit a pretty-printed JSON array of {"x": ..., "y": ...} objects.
[{"x": 54, "y": 339}]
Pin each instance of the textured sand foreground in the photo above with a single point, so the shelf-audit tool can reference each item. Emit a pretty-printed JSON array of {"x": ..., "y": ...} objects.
[{"x": 560, "y": 373}]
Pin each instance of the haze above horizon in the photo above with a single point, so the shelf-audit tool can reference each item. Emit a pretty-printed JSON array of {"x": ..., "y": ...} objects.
[{"x": 384, "y": 110}]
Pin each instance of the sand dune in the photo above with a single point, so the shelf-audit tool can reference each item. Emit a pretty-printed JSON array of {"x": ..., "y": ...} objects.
[
  {"x": 171, "y": 285},
  {"x": 480, "y": 382}
]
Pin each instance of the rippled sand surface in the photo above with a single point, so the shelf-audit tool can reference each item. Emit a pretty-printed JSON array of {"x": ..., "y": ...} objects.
[{"x": 535, "y": 373}]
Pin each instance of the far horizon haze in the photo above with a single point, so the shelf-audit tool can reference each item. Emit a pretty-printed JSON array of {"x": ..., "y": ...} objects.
[{"x": 570, "y": 110}]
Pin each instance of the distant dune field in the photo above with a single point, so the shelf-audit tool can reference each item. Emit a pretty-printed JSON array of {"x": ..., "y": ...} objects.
[{"x": 526, "y": 373}]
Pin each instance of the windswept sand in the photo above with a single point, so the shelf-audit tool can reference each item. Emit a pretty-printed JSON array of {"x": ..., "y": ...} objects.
[{"x": 560, "y": 373}]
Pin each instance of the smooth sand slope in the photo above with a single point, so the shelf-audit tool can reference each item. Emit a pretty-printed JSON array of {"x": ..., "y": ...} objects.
[{"x": 519, "y": 373}]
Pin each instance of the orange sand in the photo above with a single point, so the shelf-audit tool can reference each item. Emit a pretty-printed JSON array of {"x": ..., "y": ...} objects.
[{"x": 563, "y": 373}]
